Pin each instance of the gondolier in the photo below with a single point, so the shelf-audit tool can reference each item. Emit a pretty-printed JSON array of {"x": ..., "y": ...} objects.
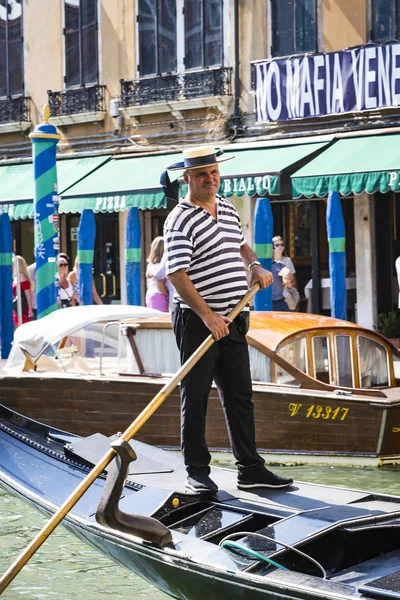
[{"x": 206, "y": 257}]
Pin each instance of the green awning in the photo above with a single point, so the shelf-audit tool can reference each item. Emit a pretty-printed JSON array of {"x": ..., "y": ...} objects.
[
  {"x": 258, "y": 171},
  {"x": 120, "y": 184},
  {"x": 352, "y": 166},
  {"x": 17, "y": 183},
  {"x": 17, "y": 210},
  {"x": 125, "y": 182}
]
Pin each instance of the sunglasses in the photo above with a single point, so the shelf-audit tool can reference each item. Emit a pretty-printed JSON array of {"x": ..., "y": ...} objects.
[
  {"x": 279, "y": 245},
  {"x": 63, "y": 265}
]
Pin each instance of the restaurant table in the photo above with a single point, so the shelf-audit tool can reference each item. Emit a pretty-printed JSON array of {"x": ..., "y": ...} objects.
[{"x": 326, "y": 293}]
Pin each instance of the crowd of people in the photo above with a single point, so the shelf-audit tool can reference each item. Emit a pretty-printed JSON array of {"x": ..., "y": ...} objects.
[
  {"x": 24, "y": 287},
  {"x": 160, "y": 291}
]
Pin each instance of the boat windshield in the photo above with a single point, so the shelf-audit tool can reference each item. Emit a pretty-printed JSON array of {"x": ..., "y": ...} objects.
[
  {"x": 372, "y": 363},
  {"x": 80, "y": 352},
  {"x": 344, "y": 372},
  {"x": 294, "y": 353},
  {"x": 396, "y": 366},
  {"x": 321, "y": 358}
]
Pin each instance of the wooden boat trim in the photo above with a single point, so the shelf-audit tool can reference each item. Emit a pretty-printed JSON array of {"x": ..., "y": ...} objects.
[
  {"x": 130, "y": 333},
  {"x": 381, "y": 432}
]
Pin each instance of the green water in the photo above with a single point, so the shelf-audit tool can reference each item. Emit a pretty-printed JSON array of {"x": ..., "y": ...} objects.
[{"x": 66, "y": 569}]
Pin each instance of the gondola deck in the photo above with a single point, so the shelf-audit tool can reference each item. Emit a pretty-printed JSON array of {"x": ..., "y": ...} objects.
[{"x": 353, "y": 535}]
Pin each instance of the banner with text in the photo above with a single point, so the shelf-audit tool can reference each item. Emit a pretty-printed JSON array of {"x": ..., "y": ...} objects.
[{"x": 351, "y": 80}]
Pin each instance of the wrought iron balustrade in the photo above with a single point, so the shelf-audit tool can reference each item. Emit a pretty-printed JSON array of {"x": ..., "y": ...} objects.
[
  {"x": 210, "y": 82},
  {"x": 182, "y": 86},
  {"x": 77, "y": 100},
  {"x": 14, "y": 110},
  {"x": 152, "y": 90}
]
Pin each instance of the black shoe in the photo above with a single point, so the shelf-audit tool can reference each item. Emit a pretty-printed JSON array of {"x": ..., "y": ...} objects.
[
  {"x": 261, "y": 477},
  {"x": 200, "y": 483}
]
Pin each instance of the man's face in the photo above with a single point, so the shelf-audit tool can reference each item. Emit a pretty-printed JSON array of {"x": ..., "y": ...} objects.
[{"x": 203, "y": 182}]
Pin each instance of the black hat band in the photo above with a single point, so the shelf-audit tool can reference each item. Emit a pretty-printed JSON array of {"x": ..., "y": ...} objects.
[{"x": 197, "y": 161}]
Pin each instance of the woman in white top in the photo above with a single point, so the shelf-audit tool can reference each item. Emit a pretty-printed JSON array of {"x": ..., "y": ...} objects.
[
  {"x": 157, "y": 294},
  {"x": 65, "y": 291}
]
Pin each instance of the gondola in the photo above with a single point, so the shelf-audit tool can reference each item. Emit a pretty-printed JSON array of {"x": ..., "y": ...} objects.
[{"x": 307, "y": 542}]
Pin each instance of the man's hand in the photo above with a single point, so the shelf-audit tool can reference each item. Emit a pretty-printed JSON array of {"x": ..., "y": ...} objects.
[
  {"x": 217, "y": 324},
  {"x": 261, "y": 276}
]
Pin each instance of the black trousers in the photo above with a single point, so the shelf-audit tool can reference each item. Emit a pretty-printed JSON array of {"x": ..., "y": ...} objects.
[{"x": 227, "y": 362}]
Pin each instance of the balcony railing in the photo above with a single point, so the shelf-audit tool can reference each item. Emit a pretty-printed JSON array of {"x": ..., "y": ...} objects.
[
  {"x": 77, "y": 100},
  {"x": 14, "y": 110},
  {"x": 182, "y": 86}
]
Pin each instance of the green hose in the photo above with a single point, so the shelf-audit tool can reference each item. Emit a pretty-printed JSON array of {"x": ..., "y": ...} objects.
[{"x": 253, "y": 553}]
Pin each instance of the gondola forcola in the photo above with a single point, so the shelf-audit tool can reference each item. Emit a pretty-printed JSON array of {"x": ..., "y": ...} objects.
[
  {"x": 109, "y": 514},
  {"x": 70, "y": 502}
]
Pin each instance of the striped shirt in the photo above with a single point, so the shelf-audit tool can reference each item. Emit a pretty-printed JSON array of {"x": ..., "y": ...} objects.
[{"x": 209, "y": 251}]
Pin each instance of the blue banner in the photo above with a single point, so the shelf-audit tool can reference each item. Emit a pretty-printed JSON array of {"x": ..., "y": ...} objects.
[
  {"x": 263, "y": 232},
  {"x": 364, "y": 78},
  {"x": 337, "y": 255},
  {"x": 133, "y": 257},
  {"x": 86, "y": 239},
  {"x": 6, "y": 279}
]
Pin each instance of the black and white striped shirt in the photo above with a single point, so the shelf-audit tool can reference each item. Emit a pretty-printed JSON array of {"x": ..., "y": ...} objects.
[{"x": 209, "y": 251}]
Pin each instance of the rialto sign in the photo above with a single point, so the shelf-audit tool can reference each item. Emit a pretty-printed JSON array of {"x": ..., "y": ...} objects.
[
  {"x": 325, "y": 84},
  {"x": 255, "y": 185}
]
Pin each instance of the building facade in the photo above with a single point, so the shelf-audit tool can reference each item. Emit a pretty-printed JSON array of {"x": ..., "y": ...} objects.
[{"x": 296, "y": 89}]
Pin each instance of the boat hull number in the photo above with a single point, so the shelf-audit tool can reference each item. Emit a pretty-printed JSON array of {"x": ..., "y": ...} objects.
[{"x": 315, "y": 411}]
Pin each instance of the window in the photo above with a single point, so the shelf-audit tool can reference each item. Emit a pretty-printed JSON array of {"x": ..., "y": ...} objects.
[
  {"x": 81, "y": 42},
  {"x": 372, "y": 363},
  {"x": 161, "y": 23},
  {"x": 294, "y": 26},
  {"x": 321, "y": 358},
  {"x": 260, "y": 366},
  {"x": 343, "y": 361},
  {"x": 295, "y": 354},
  {"x": 385, "y": 19},
  {"x": 11, "y": 48},
  {"x": 157, "y": 36},
  {"x": 203, "y": 33}
]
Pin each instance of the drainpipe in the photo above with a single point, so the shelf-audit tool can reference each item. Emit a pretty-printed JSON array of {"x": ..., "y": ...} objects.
[{"x": 236, "y": 91}]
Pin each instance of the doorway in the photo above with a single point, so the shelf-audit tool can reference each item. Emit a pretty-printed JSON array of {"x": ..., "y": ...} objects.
[{"x": 106, "y": 269}]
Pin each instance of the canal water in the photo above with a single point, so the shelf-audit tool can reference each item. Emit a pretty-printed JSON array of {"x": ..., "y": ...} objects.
[{"x": 66, "y": 569}]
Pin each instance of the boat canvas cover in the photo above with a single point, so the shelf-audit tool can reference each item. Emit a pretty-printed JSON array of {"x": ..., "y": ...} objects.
[{"x": 35, "y": 336}]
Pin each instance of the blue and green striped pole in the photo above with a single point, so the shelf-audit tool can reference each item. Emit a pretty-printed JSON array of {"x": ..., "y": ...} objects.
[
  {"x": 86, "y": 238},
  {"x": 6, "y": 302},
  {"x": 44, "y": 140},
  {"x": 337, "y": 255},
  {"x": 263, "y": 233},
  {"x": 132, "y": 257}
]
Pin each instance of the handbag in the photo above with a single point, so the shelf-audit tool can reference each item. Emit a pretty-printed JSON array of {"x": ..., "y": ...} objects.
[
  {"x": 24, "y": 303},
  {"x": 291, "y": 297}
]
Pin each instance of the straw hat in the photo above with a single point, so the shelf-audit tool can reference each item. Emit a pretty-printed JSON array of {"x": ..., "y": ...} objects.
[{"x": 201, "y": 156}]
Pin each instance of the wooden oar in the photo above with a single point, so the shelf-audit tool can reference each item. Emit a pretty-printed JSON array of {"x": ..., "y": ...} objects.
[{"x": 107, "y": 458}]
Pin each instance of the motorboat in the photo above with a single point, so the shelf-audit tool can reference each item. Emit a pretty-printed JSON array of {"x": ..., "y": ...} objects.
[{"x": 324, "y": 390}]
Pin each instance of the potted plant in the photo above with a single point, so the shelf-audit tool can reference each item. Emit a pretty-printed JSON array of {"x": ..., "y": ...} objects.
[{"x": 389, "y": 326}]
